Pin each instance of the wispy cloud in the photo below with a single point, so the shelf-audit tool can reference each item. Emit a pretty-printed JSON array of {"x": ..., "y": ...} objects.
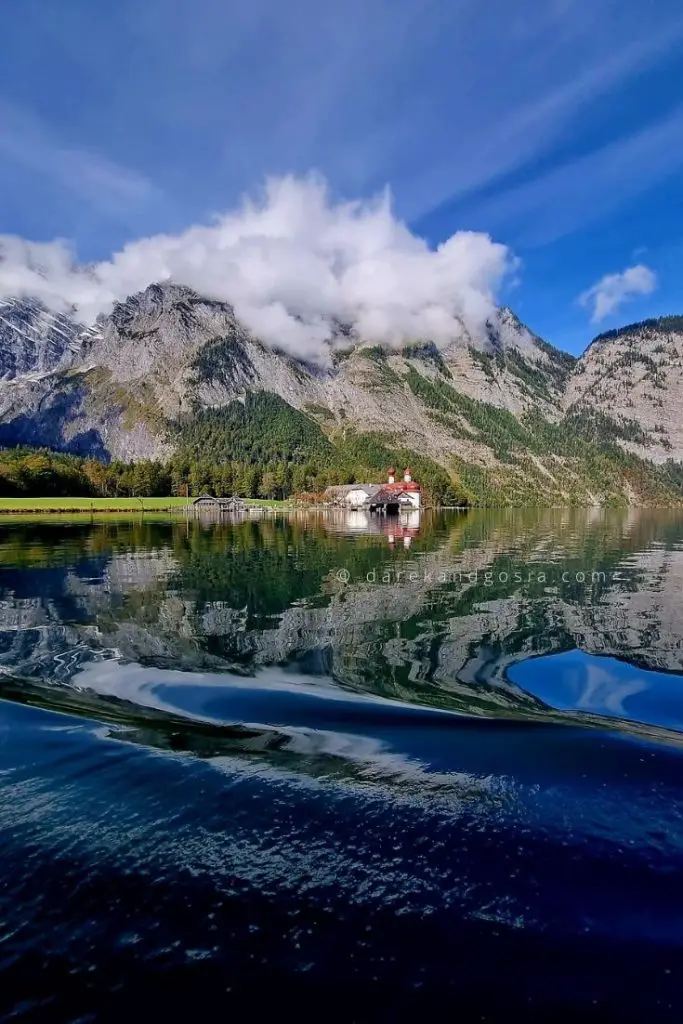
[
  {"x": 583, "y": 190},
  {"x": 440, "y": 99},
  {"x": 104, "y": 184},
  {"x": 610, "y": 293},
  {"x": 522, "y": 128}
]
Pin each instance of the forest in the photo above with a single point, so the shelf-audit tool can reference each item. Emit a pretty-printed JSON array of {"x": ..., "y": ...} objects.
[{"x": 262, "y": 448}]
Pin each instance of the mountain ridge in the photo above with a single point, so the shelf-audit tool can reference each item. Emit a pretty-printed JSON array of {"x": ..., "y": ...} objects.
[{"x": 504, "y": 410}]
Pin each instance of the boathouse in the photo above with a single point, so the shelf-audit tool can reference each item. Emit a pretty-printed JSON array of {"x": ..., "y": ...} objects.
[{"x": 209, "y": 502}]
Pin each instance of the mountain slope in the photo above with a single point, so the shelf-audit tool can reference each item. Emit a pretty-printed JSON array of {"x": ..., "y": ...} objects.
[
  {"x": 507, "y": 415},
  {"x": 34, "y": 340},
  {"x": 634, "y": 375},
  {"x": 167, "y": 351}
]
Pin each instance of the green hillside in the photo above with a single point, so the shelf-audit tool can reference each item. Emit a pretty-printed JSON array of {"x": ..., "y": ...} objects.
[
  {"x": 538, "y": 462},
  {"x": 263, "y": 448}
]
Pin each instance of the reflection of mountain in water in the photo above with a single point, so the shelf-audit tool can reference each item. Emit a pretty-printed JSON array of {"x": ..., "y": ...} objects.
[
  {"x": 437, "y": 631},
  {"x": 158, "y": 810}
]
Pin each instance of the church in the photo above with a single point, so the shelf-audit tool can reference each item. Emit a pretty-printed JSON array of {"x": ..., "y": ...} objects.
[{"x": 389, "y": 497}]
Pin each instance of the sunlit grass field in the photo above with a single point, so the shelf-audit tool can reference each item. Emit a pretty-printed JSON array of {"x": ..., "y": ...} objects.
[
  {"x": 90, "y": 504},
  {"x": 67, "y": 505}
]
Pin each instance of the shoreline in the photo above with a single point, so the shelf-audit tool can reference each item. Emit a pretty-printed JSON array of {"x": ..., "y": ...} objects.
[
  {"x": 110, "y": 506},
  {"x": 178, "y": 506}
]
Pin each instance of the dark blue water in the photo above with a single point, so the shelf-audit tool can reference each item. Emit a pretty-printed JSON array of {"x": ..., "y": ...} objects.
[{"x": 228, "y": 784}]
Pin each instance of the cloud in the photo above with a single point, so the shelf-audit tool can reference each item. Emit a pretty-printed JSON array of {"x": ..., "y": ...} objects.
[
  {"x": 293, "y": 263},
  {"x": 612, "y": 290},
  {"x": 104, "y": 184},
  {"x": 526, "y": 129},
  {"x": 217, "y": 94},
  {"x": 587, "y": 189}
]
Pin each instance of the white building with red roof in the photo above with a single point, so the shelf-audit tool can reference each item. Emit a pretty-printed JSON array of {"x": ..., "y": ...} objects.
[
  {"x": 396, "y": 494},
  {"x": 389, "y": 497}
]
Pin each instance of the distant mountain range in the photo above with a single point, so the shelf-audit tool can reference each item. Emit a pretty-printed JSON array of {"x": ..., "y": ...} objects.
[{"x": 508, "y": 415}]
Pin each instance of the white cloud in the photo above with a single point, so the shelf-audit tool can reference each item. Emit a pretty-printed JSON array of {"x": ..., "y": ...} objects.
[
  {"x": 612, "y": 290},
  {"x": 292, "y": 264}
]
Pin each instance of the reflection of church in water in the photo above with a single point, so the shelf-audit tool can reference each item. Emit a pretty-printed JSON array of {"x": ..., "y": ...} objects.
[
  {"x": 403, "y": 531},
  {"x": 399, "y": 529},
  {"x": 391, "y": 509}
]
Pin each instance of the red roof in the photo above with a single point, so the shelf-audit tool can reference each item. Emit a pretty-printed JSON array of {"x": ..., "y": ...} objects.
[{"x": 401, "y": 485}]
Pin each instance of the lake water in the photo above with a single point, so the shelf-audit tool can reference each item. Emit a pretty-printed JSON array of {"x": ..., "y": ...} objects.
[{"x": 343, "y": 767}]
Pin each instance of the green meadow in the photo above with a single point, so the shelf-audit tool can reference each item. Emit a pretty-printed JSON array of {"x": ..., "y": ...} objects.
[{"x": 66, "y": 506}]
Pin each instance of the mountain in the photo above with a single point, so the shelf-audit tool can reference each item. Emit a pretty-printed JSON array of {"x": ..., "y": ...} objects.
[
  {"x": 637, "y": 373},
  {"x": 508, "y": 416},
  {"x": 33, "y": 340}
]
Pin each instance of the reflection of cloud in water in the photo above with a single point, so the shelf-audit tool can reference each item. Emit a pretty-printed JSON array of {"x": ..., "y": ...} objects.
[
  {"x": 145, "y": 686},
  {"x": 598, "y": 690},
  {"x": 576, "y": 681}
]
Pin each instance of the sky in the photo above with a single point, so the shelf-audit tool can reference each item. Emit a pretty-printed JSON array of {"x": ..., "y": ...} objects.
[{"x": 528, "y": 153}]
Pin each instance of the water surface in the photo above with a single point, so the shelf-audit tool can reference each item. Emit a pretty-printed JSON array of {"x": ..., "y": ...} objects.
[{"x": 367, "y": 765}]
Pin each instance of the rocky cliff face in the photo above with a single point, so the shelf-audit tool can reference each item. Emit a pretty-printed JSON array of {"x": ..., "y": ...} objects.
[
  {"x": 110, "y": 388},
  {"x": 635, "y": 375},
  {"x": 116, "y": 388},
  {"x": 34, "y": 341}
]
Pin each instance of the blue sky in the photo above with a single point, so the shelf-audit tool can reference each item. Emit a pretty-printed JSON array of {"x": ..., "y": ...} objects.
[{"x": 554, "y": 125}]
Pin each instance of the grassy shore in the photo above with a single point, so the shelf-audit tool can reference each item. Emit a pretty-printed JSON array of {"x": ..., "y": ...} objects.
[{"x": 65, "y": 506}]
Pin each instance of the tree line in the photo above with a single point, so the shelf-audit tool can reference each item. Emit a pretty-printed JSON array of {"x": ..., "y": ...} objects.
[
  {"x": 30, "y": 472},
  {"x": 260, "y": 447}
]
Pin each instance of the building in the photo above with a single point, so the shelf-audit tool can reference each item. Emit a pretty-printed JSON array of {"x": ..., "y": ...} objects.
[
  {"x": 389, "y": 498},
  {"x": 397, "y": 494},
  {"x": 352, "y": 495},
  {"x": 210, "y": 503}
]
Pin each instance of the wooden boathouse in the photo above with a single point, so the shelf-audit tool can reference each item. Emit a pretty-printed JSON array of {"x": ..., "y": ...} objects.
[{"x": 221, "y": 506}]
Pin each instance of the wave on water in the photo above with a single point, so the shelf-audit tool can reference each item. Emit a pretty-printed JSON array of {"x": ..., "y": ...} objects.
[{"x": 220, "y": 769}]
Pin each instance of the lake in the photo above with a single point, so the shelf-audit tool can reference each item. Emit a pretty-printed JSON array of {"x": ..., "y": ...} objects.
[{"x": 345, "y": 766}]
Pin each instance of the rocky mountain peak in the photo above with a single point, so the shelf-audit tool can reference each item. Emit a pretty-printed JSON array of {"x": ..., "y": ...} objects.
[
  {"x": 35, "y": 340},
  {"x": 125, "y": 386}
]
